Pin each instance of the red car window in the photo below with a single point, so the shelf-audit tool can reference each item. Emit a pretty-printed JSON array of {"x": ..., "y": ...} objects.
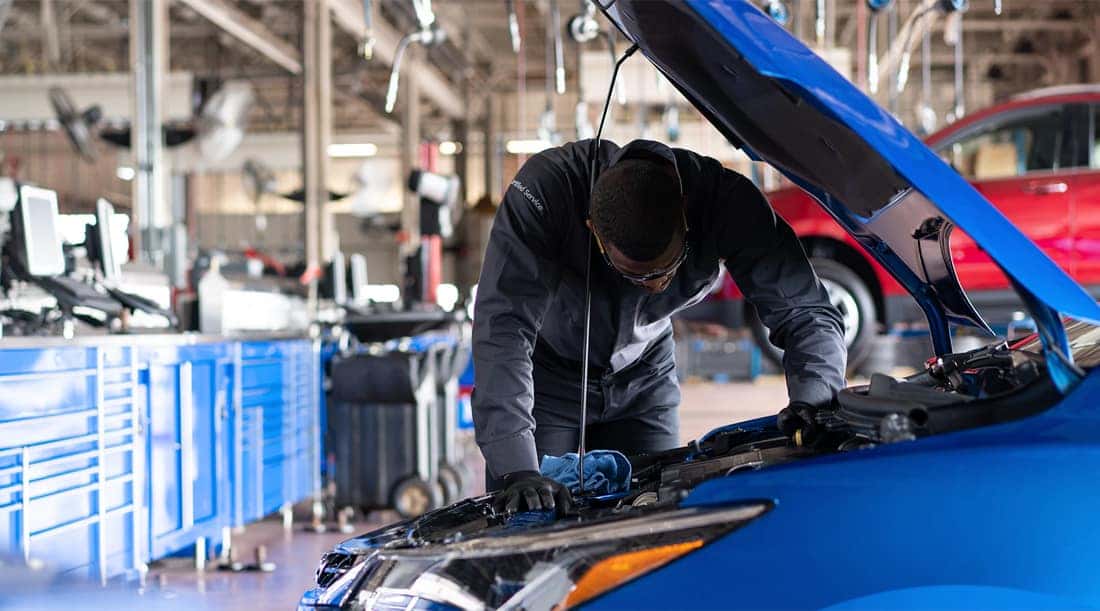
[{"x": 1013, "y": 146}]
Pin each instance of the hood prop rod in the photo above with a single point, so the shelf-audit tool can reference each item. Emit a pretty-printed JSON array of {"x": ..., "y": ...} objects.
[{"x": 593, "y": 168}]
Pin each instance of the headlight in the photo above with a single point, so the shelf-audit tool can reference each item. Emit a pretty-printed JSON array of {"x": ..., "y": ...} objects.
[{"x": 558, "y": 566}]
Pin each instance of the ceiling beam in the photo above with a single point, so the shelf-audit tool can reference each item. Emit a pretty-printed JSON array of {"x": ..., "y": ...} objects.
[
  {"x": 467, "y": 37},
  {"x": 50, "y": 38},
  {"x": 101, "y": 32},
  {"x": 97, "y": 12},
  {"x": 1019, "y": 25},
  {"x": 249, "y": 31},
  {"x": 348, "y": 16}
]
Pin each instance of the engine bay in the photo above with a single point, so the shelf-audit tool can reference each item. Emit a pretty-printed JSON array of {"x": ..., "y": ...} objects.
[
  {"x": 985, "y": 386},
  {"x": 980, "y": 387}
]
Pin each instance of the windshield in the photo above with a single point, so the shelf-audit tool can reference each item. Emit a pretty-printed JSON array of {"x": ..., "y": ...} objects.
[{"x": 1084, "y": 342}]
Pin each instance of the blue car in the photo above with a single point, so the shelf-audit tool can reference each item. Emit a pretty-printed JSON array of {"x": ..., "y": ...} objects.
[{"x": 970, "y": 484}]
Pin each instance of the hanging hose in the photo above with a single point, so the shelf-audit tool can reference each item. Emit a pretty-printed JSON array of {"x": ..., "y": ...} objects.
[
  {"x": 367, "y": 48},
  {"x": 425, "y": 37},
  {"x": 547, "y": 130},
  {"x": 395, "y": 70},
  {"x": 582, "y": 28},
  {"x": 872, "y": 54},
  {"x": 424, "y": 15},
  {"x": 559, "y": 52},
  {"x": 513, "y": 26},
  {"x": 911, "y": 25},
  {"x": 926, "y": 115},
  {"x": 819, "y": 23},
  {"x": 960, "y": 95}
]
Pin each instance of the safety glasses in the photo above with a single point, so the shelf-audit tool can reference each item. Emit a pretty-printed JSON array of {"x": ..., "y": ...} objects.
[{"x": 658, "y": 274}]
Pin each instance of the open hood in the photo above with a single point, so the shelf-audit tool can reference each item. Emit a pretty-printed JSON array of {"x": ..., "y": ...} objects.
[{"x": 778, "y": 101}]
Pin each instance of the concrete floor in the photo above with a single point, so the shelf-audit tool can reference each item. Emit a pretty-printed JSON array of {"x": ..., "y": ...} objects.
[{"x": 175, "y": 584}]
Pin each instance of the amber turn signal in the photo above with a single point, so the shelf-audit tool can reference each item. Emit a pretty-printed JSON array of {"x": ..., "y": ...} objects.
[{"x": 610, "y": 573}]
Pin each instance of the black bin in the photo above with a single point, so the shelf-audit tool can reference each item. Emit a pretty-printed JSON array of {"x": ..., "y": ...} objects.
[{"x": 378, "y": 432}]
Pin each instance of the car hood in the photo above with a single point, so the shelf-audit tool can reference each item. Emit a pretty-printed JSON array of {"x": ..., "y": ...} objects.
[{"x": 778, "y": 101}]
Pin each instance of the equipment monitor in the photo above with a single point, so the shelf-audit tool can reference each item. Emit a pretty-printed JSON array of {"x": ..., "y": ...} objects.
[
  {"x": 41, "y": 250},
  {"x": 104, "y": 238},
  {"x": 358, "y": 278},
  {"x": 339, "y": 279}
]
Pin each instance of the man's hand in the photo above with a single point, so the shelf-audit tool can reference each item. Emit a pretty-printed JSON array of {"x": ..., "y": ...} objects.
[
  {"x": 530, "y": 491},
  {"x": 797, "y": 422}
]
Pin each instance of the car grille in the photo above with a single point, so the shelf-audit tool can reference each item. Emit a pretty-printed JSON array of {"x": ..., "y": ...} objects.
[{"x": 333, "y": 565}]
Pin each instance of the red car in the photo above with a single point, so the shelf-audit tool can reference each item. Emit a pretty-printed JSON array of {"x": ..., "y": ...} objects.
[{"x": 1036, "y": 157}]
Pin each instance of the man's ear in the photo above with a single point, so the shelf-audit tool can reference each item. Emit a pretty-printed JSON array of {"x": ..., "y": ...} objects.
[{"x": 588, "y": 223}]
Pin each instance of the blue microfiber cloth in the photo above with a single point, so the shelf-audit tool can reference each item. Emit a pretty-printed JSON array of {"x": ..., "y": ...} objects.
[{"x": 605, "y": 471}]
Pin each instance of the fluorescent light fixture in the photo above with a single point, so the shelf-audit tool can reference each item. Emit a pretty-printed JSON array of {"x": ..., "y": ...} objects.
[
  {"x": 382, "y": 293},
  {"x": 449, "y": 147},
  {"x": 356, "y": 149},
  {"x": 125, "y": 172},
  {"x": 526, "y": 147}
]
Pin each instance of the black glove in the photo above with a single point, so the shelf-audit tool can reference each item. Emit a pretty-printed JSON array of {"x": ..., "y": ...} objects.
[
  {"x": 798, "y": 416},
  {"x": 530, "y": 491}
]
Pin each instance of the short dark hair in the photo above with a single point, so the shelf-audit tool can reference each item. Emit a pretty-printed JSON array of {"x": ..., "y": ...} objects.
[{"x": 636, "y": 206}]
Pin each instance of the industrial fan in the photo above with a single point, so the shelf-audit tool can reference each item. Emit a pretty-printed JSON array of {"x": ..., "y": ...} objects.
[
  {"x": 216, "y": 131},
  {"x": 259, "y": 180}
]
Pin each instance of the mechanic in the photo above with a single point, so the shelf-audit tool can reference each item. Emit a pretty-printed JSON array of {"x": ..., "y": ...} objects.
[{"x": 664, "y": 220}]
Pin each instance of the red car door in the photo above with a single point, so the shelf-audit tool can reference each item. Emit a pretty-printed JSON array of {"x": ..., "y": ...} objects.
[
  {"x": 1085, "y": 187},
  {"x": 1021, "y": 162}
]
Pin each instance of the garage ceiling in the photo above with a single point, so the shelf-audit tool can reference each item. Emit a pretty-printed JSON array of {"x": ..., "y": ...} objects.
[{"x": 1031, "y": 43}]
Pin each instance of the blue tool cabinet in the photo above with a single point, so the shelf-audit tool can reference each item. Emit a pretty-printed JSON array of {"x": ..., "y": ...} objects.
[
  {"x": 185, "y": 393},
  {"x": 277, "y": 422},
  {"x": 121, "y": 450},
  {"x": 70, "y": 439}
]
